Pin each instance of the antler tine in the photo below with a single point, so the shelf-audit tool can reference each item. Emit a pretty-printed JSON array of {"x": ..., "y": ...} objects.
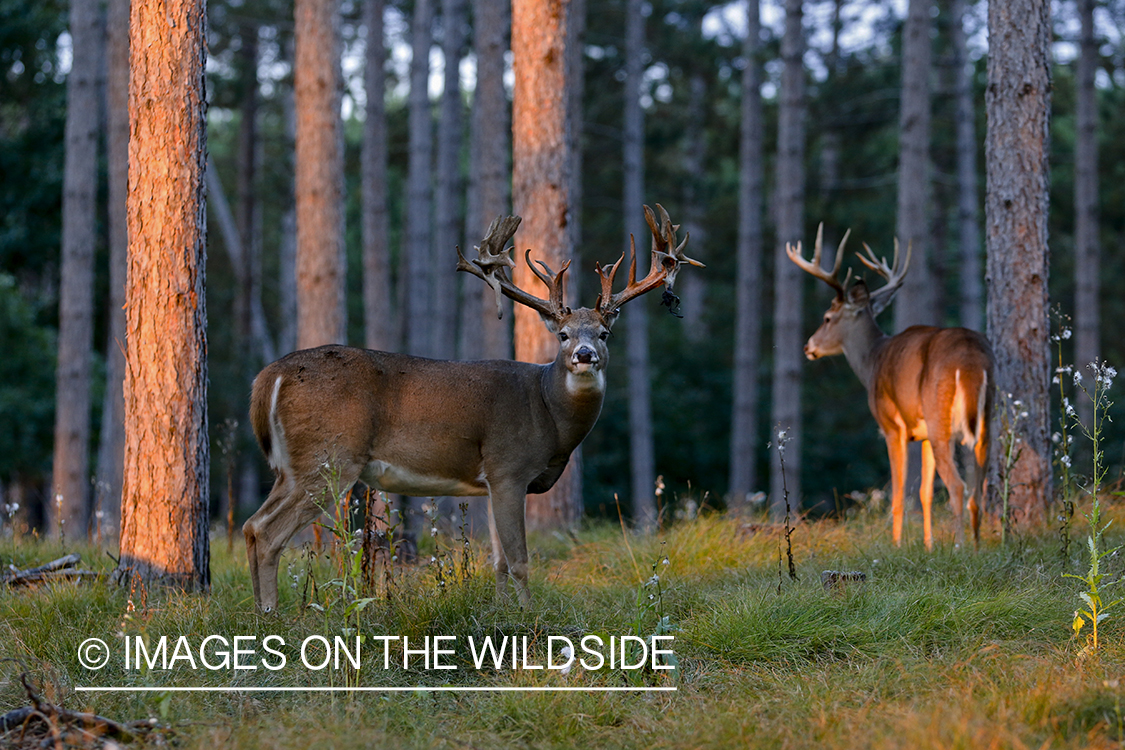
[
  {"x": 894, "y": 275},
  {"x": 492, "y": 262},
  {"x": 554, "y": 282},
  {"x": 667, "y": 257},
  {"x": 814, "y": 268}
]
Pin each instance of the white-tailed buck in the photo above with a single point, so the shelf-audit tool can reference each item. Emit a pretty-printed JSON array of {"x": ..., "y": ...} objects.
[
  {"x": 423, "y": 427},
  {"x": 928, "y": 384}
]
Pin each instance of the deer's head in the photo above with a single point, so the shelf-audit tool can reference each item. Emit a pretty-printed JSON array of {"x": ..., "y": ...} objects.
[
  {"x": 853, "y": 300},
  {"x": 582, "y": 332}
]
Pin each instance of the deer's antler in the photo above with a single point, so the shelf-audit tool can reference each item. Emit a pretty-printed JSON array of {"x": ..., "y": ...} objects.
[
  {"x": 667, "y": 257},
  {"x": 814, "y": 268},
  {"x": 894, "y": 275},
  {"x": 492, "y": 260}
]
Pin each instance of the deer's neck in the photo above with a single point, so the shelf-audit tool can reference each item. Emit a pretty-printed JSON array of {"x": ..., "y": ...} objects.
[
  {"x": 574, "y": 401},
  {"x": 862, "y": 345}
]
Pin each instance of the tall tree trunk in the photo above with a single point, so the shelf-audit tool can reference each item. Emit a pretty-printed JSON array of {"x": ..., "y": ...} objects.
[
  {"x": 914, "y": 303},
  {"x": 1017, "y": 101},
  {"x": 541, "y": 183},
  {"x": 748, "y": 284},
  {"x": 447, "y": 200},
  {"x": 418, "y": 302},
  {"x": 321, "y": 267},
  {"x": 1087, "y": 259},
  {"x": 693, "y": 288},
  {"x": 641, "y": 461},
  {"x": 789, "y": 280},
  {"x": 287, "y": 247},
  {"x": 968, "y": 200},
  {"x": 111, "y": 445},
  {"x": 378, "y": 322},
  {"x": 71, "y": 483},
  {"x": 164, "y": 504},
  {"x": 484, "y": 335}
]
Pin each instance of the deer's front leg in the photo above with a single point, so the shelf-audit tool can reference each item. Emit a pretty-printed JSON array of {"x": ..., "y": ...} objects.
[
  {"x": 896, "y": 451},
  {"x": 499, "y": 562},
  {"x": 507, "y": 501}
]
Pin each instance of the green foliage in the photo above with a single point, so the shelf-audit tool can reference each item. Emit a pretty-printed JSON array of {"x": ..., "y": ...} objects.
[{"x": 27, "y": 385}]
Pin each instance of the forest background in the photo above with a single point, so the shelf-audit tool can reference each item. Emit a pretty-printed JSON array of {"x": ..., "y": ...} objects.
[{"x": 693, "y": 62}]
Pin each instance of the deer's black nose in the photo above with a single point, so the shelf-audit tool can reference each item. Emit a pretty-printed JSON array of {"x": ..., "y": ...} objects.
[{"x": 585, "y": 355}]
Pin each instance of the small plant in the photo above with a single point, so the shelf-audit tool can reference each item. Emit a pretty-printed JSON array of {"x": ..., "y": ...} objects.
[
  {"x": 1095, "y": 607},
  {"x": 1010, "y": 418},
  {"x": 650, "y": 598},
  {"x": 1063, "y": 440},
  {"x": 782, "y": 439}
]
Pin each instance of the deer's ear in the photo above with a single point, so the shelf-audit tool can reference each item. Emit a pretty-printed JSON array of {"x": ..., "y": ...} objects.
[{"x": 858, "y": 296}]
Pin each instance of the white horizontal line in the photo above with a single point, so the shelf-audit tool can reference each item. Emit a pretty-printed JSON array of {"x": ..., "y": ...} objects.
[{"x": 389, "y": 689}]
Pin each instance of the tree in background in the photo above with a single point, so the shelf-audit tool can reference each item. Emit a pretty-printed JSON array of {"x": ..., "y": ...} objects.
[
  {"x": 417, "y": 253},
  {"x": 1017, "y": 101},
  {"x": 71, "y": 483},
  {"x": 968, "y": 199},
  {"x": 643, "y": 472},
  {"x": 748, "y": 285},
  {"x": 1087, "y": 260},
  {"x": 167, "y": 461},
  {"x": 378, "y": 313},
  {"x": 321, "y": 317},
  {"x": 111, "y": 443},
  {"x": 914, "y": 304},
  {"x": 483, "y": 334},
  {"x": 788, "y": 279},
  {"x": 541, "y": 187},
  {"x": 449, "y": 187}
]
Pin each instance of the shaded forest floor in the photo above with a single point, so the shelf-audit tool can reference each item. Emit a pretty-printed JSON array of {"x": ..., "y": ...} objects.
[{"x": 950, "y": 649}]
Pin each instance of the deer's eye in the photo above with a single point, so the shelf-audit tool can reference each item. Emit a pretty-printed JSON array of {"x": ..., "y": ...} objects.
[
  {"x": 563, "y": 336},
  {"x": 827, "y": 318},
  {"x": 603, "y": 335}
]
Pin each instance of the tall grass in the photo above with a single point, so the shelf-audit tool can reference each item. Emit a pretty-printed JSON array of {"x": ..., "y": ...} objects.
[{"x": 950, "y": 649}]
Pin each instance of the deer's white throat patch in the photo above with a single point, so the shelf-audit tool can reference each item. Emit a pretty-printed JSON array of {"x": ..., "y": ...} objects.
[{"x": 588, "y": 381}]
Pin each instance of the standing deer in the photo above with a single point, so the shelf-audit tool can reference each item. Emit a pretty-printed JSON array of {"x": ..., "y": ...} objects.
[
  {"x": 926, "y": 383},
  {"x": 424, "y": 427}
]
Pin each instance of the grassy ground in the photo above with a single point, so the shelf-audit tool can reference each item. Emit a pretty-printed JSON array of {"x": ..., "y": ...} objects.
[{"x": 943, "y": 650}]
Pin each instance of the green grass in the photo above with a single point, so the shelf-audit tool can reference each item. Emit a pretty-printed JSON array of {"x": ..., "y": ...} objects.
[{"x": 944, "y": 650}]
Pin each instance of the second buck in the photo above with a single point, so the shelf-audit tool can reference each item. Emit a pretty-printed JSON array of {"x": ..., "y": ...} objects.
[
  {"x": 928, "y": 384},
  {"x": 424, "y": 427}
]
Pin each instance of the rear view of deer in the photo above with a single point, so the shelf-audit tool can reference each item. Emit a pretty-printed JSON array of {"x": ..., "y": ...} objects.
[
  {"x": 425, "y": 427},
  {"x": 928, "y": 384}
]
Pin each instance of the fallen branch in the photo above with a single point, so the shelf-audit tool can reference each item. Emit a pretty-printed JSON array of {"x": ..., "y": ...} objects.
[{"x": 57, "y": 570}]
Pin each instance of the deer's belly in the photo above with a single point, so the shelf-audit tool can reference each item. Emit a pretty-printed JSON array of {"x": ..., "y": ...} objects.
[{"x": 404, "y": 481}]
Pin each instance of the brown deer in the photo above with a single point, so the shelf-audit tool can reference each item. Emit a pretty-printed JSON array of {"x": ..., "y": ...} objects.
[
  {"x": 926, "y": 383},
  {"x": 330, "y": 416}
]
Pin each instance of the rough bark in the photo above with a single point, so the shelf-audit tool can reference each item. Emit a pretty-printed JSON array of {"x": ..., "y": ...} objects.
[
  {"x": 541, "y": 185},
  {"x": 71, "y": 483},
  {"x": 914, "y": 303},
  {"x": 111, "y": 444},
  {"x": 748, "y": 283},
  {"x": 448, "y": 220},
  {"x": 484, "y": 336},
  {"x": 641, "y": 461},
  {"x": 788, "y": 278},
  {"x": 693, "y": 287},
  {"x": 1087, "y": 261},
  {"x": 164, "y": 503},
  {"x": 968, "y": 199},
  {"x": 321, "y": 316},
  {"x": 378, "y": 317},
  {"x": 418, "y": 302},
  {"x": 1017, "y": 101}
]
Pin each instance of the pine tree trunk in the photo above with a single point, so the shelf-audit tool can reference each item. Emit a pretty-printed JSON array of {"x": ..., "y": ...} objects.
[
  {"x": 968, "y": 200},
  {"x": 789, "y": 279},
  {"x": 418, "y": 255},
  {"x": 693, "y": 287},
  {"x": 484, "y": 335},
  {"x": 378, "y": 317},
  {"x": 748, "y": 289},
  {"x": 287, "y": 247},
  {"x": 321, "y": 316},
  {"x": 1087, "y": 259},
  {"x": 541, "y": 183},
  {"x": 71, "y": 483},
  {"x": 1017, "y": 101},
  {"x": 914, "y": 302},
  {"x": 641, "y": 460},
  {"x": 111, "y": 444},
  {"x": 164, "y": 504}
]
